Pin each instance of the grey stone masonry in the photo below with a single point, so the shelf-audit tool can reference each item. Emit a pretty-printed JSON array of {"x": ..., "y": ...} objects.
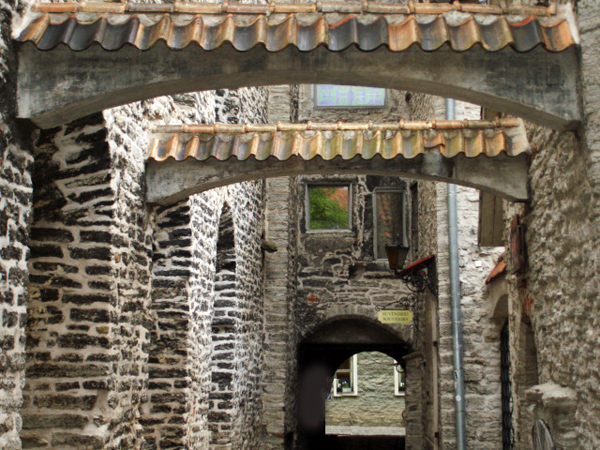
[
  {"x": 16, "y": 162},
  {"x": 279, "y": 378},
  {"x": 89, "y": 287},
  {"x": 166, "y": 400},
  {"x": 188, "y": 403}
]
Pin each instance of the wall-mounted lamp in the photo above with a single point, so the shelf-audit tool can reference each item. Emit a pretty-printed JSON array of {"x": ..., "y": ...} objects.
[{"x": 417, "y": 276}]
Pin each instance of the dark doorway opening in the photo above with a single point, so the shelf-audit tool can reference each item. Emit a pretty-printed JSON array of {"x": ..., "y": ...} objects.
[{"x": 319, "y": 356}]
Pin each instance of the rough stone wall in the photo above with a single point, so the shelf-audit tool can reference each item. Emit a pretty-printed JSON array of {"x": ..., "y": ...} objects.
[
  {"x": 280, "y": 339},
  {"x": 376, "y": 404},
  {"x": 557, "y": 293},
  {"x": 165, "y": 401},
  {"x": 89, "y": 286},
  {"x": 326, "y": 259},
  {"x": 165, "y": 405},
  {"x": 481, "y": 336},
  {"x": 15, "y": 210},
  {"x": 178, "y": 404}
]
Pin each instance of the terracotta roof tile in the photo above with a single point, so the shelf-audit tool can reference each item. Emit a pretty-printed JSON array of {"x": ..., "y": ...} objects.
[
  {"x": 335, "y": 25},
  {"x": 345, "y": 140}
]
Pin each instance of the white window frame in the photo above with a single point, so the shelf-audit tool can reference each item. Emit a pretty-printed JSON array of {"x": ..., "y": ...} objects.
[
  {"x": 346, "y": 184},
  {"x": 404, "y": 236},
  {"x": 397, "y": 391},
  {"x": 353, "y": 379}
]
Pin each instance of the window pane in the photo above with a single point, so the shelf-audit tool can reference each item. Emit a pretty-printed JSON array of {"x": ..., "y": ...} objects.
[
  {"x": 389, "y": 219},
  {"x": 331, "y": 95},
  {"x": 328, "y": 207}
]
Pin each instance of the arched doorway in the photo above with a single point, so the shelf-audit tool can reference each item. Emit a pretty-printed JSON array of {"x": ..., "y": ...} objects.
[{"x": 320, "y": 355}]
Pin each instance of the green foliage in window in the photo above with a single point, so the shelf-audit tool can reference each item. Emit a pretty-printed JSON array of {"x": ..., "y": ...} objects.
[{"x": 328, "y": 207}]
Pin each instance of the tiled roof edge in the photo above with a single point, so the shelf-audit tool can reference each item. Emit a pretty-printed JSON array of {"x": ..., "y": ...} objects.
[
  {"x": 340, "y": 126},
  {"x": 346, "y": 140},
  {"x": 290, "y": 8}
]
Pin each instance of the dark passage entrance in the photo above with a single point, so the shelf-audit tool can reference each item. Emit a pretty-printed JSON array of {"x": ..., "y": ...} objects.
[
  {"x": 368, "y": 443},
  {"x": 319, "y": 356}
]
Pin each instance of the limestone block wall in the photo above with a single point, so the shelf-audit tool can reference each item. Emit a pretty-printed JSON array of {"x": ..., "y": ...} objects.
[
  {"x": 16, "y": 161},
  {"x": 376, "y": 404}
]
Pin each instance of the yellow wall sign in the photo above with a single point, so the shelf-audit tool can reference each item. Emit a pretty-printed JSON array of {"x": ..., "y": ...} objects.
[{"x": 402, "y": 316}]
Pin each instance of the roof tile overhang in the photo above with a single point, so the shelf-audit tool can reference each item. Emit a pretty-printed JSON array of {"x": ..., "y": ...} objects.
[
  {"x": 335, "y": 25},
  {"x": 345, "y": 140}
]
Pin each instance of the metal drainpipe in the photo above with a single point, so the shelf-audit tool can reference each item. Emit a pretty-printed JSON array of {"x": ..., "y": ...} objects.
[{"x": 457, "y": 331}]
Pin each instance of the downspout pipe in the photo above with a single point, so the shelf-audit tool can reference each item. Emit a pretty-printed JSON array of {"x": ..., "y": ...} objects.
[{"x": 457, "y": 328}]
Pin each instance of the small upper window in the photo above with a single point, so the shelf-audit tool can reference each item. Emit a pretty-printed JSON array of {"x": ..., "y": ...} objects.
[
  {"x": 336, "y": 96},
  {"x": 328, "y": 207},
  {"x": 390, "y": 219}
]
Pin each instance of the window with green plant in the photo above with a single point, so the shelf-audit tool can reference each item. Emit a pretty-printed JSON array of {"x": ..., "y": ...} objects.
[{"x": 328, "y": 207}]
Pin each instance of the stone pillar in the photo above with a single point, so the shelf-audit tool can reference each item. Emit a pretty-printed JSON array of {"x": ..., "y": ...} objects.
[
  {"x": 15, "y": 207},
  {"x": 279, "y": 336},
  {"x": 414, "y": 401},
  {"x": 16, "y": 163},
  {"x": 168, "y": 376},
  {"x": 89, "y": 288},
  {"x": 279, "y": 399}
]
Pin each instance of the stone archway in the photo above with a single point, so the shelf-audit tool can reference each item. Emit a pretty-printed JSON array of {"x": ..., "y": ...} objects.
[
  {"x": 493, "y": 59},
  {"x": 488, "y": 155},
  {"x": 319, "y": 355}
]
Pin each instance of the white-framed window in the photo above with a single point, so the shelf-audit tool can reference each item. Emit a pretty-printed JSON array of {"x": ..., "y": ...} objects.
[
  {"x": 345, "y": 381},
  {"x": 390, "y": 218},
  {"x": 338, "y": 96},
  {"x": 399, "y": 379},
  {"x": 328, "y": 207}
]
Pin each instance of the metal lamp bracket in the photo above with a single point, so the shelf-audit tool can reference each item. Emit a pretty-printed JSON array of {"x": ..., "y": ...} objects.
[{"x": 419, "y": 276}]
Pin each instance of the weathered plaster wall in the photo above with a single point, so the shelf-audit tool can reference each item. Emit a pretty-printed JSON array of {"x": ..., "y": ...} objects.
[{"x": 376, "y": 404}]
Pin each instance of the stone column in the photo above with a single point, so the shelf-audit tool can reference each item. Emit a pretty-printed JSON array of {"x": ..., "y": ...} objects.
[
  {"x": 89, "y": 288},
  {"x": 280, "y": 339},
  {"x": 414, "y": 401}
]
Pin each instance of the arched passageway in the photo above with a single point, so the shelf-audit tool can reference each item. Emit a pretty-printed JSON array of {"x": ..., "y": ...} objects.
[
  {"x": 489, "y": 155},
  {"x": 527, "y": 68},
  {"x": 319, "y": 356}
]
